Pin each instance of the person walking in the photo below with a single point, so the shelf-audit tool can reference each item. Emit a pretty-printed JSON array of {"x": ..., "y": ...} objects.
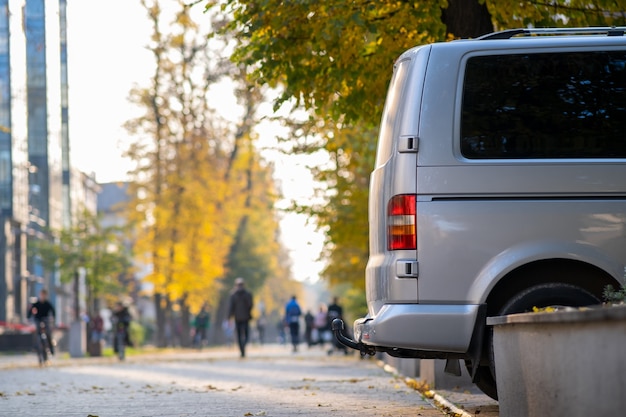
[
  {"x": 292, "y": 318},
  {"x": 241, "y": 310},
  {"x": 96, "y": 326},
  {"x": 201, "y": 326},
  {"x": 335, "y": 311},
  {"x": 308, "y": 328},
  {"x": 261, "y": 324},
  {"x": 321, "y": 323}
]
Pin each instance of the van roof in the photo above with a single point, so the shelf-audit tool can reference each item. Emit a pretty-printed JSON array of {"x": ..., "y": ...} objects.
[
  {"x": 507, "y": 34},
  {"x": 529, "y": 38}
]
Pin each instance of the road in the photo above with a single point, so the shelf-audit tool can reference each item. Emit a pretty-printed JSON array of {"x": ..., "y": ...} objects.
[{"x": 270, "y": 381}]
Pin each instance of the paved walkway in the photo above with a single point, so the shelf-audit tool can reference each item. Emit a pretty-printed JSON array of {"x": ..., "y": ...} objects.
[
  {"x": 343, "y": 385},
  {"x": 270, "y": 381}
]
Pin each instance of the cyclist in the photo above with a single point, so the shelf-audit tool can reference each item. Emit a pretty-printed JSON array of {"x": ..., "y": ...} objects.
[
  {"x": 121, "y": 316},
  {"x": 42, "y": 311}
]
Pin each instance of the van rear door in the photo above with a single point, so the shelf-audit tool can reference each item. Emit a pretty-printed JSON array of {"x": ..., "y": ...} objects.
[{"x": 391, "y": 273}]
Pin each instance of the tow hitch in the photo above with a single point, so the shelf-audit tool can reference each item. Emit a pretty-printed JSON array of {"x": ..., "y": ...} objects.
[{"x": 338, "y": 328}]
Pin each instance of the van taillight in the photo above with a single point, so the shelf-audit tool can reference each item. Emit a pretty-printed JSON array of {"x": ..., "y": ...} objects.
[{"x": 401, "y": 224}]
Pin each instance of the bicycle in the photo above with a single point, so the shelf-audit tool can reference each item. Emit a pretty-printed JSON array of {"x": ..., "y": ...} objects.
[{"x": 42, "y": 343}]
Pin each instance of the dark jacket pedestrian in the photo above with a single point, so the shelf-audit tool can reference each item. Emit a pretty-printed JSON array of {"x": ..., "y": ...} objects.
[
  {"x": 241, "y": 310},
  {"x": 292, "y": 318},
  {"x": 308, "y": 328},
  {"x": 335, "y": 311},
  {"x": 201, "y": 326}
]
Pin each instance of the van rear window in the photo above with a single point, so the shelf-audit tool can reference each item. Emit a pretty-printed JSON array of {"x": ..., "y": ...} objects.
[{"x": 547, "y": 105}]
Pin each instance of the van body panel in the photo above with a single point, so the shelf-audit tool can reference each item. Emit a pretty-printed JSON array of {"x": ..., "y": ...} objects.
[
  {"x": 529, "y": 252},
  {"x": 453, "y": 263},
  {"x": 524, "y": 179}
]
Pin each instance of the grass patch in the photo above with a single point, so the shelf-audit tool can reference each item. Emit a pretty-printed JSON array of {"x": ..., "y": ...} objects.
[{"x": 108, "y": 352}]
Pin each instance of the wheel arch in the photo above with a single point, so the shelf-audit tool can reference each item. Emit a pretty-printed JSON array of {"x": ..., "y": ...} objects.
[
  {"x": 578, "y": 273},
  {"x": 558, "y": 270}
]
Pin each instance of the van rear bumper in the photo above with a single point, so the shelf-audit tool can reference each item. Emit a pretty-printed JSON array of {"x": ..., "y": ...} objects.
[{"x": 428, "y": 327}]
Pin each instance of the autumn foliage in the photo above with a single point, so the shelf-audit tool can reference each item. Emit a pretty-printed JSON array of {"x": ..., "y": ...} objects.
[
  {"x": 203, "y": 195},
  {"x": 334, "y": 58}
]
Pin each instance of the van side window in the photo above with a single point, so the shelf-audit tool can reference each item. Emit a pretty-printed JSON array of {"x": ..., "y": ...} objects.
[
  {"x": 390, "y": 112},
  {"x": 547, "y": 105}
]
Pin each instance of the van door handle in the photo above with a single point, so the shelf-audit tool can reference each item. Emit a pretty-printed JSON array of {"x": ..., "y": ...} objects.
[
  {"x": 408, "y": 144},
  {"x": 407, "y": 268}
]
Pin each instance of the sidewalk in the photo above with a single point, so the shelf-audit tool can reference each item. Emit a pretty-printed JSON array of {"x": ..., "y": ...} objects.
[
  {"x": 269, "y": 381},
  {"x": 453, "y": 402}
]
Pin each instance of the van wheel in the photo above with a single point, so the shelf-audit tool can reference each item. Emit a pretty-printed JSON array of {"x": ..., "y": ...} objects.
[
  {"x": 551, "y": 294},
  {"x": 544, "y": 295}
]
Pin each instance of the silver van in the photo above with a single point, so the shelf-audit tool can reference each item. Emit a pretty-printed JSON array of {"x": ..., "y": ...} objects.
[{"x": 499, "y": 185}]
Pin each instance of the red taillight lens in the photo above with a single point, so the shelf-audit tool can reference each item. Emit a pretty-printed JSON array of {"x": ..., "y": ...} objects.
[{"x": 401, "y": 225}]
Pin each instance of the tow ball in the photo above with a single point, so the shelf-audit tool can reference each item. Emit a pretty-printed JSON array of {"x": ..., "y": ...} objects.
[{"x": 338, "y": 328}]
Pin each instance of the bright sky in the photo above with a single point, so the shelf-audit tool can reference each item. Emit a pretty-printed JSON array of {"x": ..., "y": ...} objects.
[{"x": 106, "y": 58}]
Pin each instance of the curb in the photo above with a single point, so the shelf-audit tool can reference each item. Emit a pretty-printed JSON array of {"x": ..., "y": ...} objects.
[{"x": 430, "y": 396}]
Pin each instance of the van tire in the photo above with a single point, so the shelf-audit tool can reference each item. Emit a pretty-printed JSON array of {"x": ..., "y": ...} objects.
[
  {"x": 543, "y": 295},
  {"x": 550, "y": 294}
]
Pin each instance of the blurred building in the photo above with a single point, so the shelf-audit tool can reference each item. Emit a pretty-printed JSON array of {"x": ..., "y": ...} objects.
[
  {"x": 14, "y": 165},
  {"x": 112, "y": 201},
  {"x": 38, "y": 189}
]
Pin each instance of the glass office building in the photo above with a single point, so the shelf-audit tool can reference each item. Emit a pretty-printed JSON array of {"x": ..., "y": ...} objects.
[
  {"x": 43, "y": 72},
  {"x": 14, "y": 165},
  {"x": 34, "y": 144}
]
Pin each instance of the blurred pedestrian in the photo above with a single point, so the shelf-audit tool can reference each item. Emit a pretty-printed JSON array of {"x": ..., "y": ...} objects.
[
  {"x": 308, "y": 328},
  {"x": 280, "y": 327},
  {"x": 292, "y": 318},
  {"x": 335, "y": 311},
  {"x": 96, "y": 326},
  {"x": 241, "y": 310},
  {"x": 229, "y": 331},
  {"x": 261, "y": 324},
  {"x": 321, "y": 323},
  {"x": 201, "y": 326}
]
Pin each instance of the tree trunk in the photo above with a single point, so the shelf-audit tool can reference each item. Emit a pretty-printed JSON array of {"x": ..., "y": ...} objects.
[
  {"x": 466, "y": 19},
  {"x": 185, "y": 317},
  {"x": 160, "y": 321}
]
